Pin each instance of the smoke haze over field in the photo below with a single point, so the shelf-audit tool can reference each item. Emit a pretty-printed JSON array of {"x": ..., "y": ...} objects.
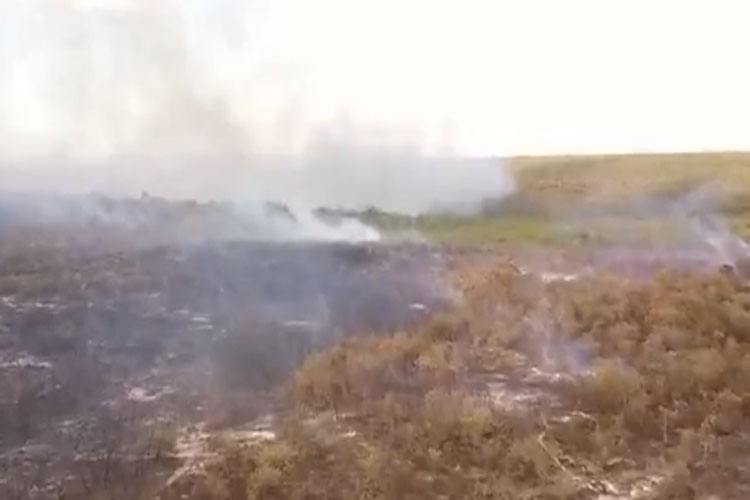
[
  {"x": 342, "y": 176},
  {"x": 197, "y": 97},
  {"x": 206, "y": 99}
]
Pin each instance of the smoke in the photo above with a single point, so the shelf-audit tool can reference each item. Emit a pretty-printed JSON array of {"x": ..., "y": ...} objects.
[
  {"x": 728, "y": 248},
  {"x": 94, "y": 219},
  {"x": 681, "y": 229},
  {"x": 202, "y": 99},
  {"x": 344, "y": 169},
  {"x": 708, "y": 230}
]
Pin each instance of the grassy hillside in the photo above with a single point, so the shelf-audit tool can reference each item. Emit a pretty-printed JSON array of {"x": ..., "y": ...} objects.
[
  {"x": 617, "y": 177},
  {"x": 614, "y": 199}
]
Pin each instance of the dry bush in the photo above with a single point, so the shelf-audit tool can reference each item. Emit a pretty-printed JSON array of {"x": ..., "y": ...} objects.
[
  {"x": 447, "y": 444},
  {"x": 356, "y": 371},
  {"x": 441, "y": 444},
  {"x": 664, "y": 372},
  {"x": 211, "y": 487},
  {"x": 677, "y": 486},
  {"x": 611, "y": 388},
  {"x": 363, "y": 369},
  {"x": 530, "y": 461},
  {"x": 679, "y": 342}
]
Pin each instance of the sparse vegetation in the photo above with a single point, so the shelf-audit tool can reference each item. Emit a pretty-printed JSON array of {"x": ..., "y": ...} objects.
[
  {"x": 142, "y": 370},
  {"x": 660, "y": 389},
  {"x": 593, "y": 200},
  {"x": 624, "y": 177}
]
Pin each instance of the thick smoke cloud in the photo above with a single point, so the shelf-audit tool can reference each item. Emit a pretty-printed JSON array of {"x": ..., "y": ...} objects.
[{"x": 192, "y": 99}]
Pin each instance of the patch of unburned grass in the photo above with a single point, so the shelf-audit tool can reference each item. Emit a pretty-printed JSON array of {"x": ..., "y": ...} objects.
[
  {"x": 469, "y": 230},
  {"x": 510, "y": 230},
  {"x": 618, "y": 177},
  {"x": 618, "y": 195},
  {"x": 442, "y": 444},
  {"x": 489, "y": 230}
]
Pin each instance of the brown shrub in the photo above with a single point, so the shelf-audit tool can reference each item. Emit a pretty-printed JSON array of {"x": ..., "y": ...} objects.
[
  {"x": 728, "y": 411},
  {"x": 672, "y": 360},
  {"x": 677, "y": 486},
  {"x": 611, "y": 388}
]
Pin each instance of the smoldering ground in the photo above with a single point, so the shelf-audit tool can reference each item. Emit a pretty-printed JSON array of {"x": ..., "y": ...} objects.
[
  {"x": 688, "y": 228},
  {"x": 126, "y": 309},
  {"x": 188, "y": 334},
  {"x": 126, "y": 316}
]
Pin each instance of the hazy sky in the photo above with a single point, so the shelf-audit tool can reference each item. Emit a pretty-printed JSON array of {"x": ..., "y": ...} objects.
[{"x": 95, "y": 77}]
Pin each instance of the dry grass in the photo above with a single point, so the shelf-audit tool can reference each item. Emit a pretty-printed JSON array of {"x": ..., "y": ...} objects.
[
  {"x": 661, "y": 385},
  {"x": 614, "y": 192},
  {"x": 617, "y": 177}
]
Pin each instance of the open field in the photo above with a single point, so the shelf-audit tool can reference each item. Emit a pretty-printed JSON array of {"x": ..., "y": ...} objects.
[
  {"x": 620, "y": 177},
  {"x": 573, "y": 200},
  {"x": 587, "y": 338}
]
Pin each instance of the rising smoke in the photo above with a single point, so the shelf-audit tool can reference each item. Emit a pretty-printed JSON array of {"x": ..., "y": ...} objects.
[{"x": 192, "y": 100}]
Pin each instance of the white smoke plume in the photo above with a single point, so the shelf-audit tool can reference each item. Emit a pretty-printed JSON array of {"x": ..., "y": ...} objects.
[{"x": 199, "y": 99}]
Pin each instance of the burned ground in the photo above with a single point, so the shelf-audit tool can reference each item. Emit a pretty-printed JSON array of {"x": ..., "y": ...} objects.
[{"x": 101, "y": 352}]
